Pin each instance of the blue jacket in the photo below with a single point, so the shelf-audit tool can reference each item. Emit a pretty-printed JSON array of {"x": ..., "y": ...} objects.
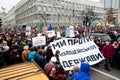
[
  {"x": 31, "y": 56},
  {"x": 40, "y": 60},
  {"x": 83, "y": 74}
]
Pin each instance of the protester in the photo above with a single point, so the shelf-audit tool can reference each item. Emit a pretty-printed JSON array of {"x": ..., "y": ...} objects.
[
  {"x": 116, "y": 57},
  {"x": 1, "y": 38},
  {"x": 32, "y": 54},
  {"x": 58, "y": 73},
  {"x": 40, "y": 59},
  {"x": 49, "y": 53},
  {"x": 76, "y": 68},
  {"x": 57, "y": 56},
  {"x": 112, "y": 35},
  {"x": 14, "y": 55},
  {"x": 48, "y": 67},
  {"x": 100, "y": 46},
  {"x": 1, "y": 60},
  {"x": 4, "y": 46},
  {"x": 83, "y": 74},
  {"x": 5, "y": 51},
  {"x": 11, "y": 49},
  {"x": 108, "y": 52},
  {"x": 25, "y": 53}
]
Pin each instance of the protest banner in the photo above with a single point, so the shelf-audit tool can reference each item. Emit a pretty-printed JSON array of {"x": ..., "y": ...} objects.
[
  {"x": 51, "y": 33},
  {"x": 58, "y": 34},
  {"x": 72, "y": 33},
  {"x": 40, "y": 34},
  {"x": 39, "y": 40},
  {"x": 73, "y": 51},
  {"x": 28, "y": 30}
]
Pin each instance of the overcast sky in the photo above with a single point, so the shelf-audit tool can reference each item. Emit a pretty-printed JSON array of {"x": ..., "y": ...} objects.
[{"x": 8, "y": 4}]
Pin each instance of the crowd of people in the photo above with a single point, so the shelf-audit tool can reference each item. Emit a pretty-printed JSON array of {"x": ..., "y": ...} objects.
[{"x": 16, "y": 47}]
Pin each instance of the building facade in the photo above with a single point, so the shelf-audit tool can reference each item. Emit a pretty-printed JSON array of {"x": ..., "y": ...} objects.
[
  {"x": 2, "y": 14},
  {"x": 58, "y": 12},
  {"x": 9, "y": 19},
  {"x": 119, "y": 16},
  {"x": 115, "y": 4}
]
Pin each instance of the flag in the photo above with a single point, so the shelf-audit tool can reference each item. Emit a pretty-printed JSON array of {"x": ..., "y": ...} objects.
[
  {"x": 50, "y": 27},
  {"x": 41, "y": 27},
  {"x": 68, "y": 32}
]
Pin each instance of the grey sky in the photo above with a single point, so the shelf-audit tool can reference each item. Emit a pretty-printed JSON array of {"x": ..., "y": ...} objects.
[{"x": 8, "y": 4}]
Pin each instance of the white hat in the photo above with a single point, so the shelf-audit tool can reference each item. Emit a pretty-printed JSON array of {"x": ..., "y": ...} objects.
[{"x": 53, "y": 59}]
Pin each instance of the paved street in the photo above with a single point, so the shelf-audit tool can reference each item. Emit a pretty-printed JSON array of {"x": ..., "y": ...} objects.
[{"x": 99, "y": 73}]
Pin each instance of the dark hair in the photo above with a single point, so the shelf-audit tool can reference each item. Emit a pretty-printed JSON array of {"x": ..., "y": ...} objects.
[
  {"x": 40, "y": 51},
  {"x": 32, "y": 49},
  {"x": 59, "y": 69}
]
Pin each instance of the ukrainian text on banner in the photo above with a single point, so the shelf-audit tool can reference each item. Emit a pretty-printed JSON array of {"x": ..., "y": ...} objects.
[
  {"x": 73, "y": 51},
  {"x": 39, "y": 40}
]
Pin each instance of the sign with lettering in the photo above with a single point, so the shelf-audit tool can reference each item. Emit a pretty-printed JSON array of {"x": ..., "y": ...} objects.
[
  {"x": 73, "y": 51},
  {"x": 28, "y": 30},
  {"x": 39, "y": 40},
  {"x": 51, "y": 33}
]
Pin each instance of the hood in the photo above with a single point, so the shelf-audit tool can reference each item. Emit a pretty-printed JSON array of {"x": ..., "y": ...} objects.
[{"x": 85, "y": 67}]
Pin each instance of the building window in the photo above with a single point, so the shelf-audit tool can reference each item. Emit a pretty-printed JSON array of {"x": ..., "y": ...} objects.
[{"x": 44, "y": 9}]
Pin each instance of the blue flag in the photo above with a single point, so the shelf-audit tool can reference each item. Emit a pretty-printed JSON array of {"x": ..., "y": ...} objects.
[
  {"x": 68, "y": 32},
  {"x": 50, "y": 27}
]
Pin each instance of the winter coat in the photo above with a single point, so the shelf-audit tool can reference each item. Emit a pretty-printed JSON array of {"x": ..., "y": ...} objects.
[
  {"x": 108, "y": 51},
  {"x": 48, "y": 67},
  {"x": 83, "y": 74},
  {"x": 14, "y": 57},
  {"x": 40, "y": 60},
  {"x": 49, "y": 54},
  {"x": 31, "y": 56},
  {"x": 58, "y": 75},
  {"x": 25, "y": 55}
]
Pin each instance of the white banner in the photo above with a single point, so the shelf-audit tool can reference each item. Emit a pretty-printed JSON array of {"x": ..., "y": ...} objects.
[
  {"x": 72, "y": 33},
  {"x": 51, "y": 33},
  {"x": 28, "y": 30},
  {"x": 58, "y": 34},
  {"x": 39, "y": 40},
  {"x": 73, "y": 51}
]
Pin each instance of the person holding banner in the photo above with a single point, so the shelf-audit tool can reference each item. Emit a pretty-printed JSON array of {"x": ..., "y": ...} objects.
[
  {"x": 57, "y": 56},
  {"x": 49, "y": 53},
  {"x": 83, "y": 74}
]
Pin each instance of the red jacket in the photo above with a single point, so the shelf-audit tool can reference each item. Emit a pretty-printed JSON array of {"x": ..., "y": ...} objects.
[{"x": 108, "y": 51}]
